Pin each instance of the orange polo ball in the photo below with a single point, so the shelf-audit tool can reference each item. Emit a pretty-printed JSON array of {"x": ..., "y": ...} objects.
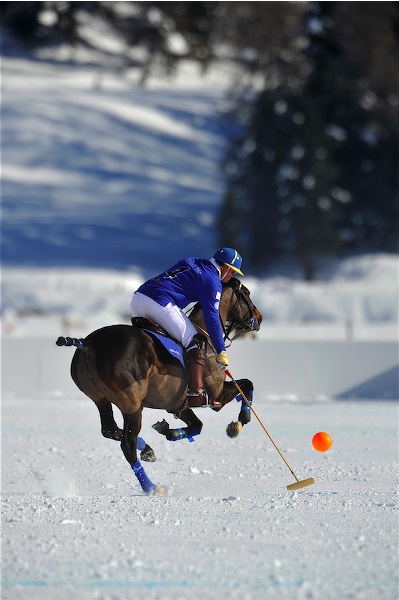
[{"x": 322, "y": 441}]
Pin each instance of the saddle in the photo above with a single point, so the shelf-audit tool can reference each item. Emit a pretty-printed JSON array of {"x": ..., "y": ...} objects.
[
  {"x": 144, "y": 323},
  {"x": 175, "y": 353},
  {"x": 175, "y": 349}
]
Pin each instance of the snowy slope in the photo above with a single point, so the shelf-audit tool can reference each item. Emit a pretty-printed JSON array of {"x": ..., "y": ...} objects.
[{"x": 101, "y": 173}]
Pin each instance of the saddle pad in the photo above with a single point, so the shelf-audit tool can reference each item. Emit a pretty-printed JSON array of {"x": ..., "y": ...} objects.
[{"x": 170, "y": 345}]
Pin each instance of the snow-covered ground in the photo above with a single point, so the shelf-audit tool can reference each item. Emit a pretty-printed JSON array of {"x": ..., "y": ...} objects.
[
  {"x": 76, "y": 525},
  {"x": 97, "y": 172}
]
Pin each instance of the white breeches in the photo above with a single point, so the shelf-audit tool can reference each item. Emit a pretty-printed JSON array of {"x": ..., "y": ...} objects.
[{"x": 169, "y": 317}]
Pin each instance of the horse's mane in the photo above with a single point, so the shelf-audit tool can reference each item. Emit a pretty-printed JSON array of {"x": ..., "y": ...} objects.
[{"x": 237, "y": 285}]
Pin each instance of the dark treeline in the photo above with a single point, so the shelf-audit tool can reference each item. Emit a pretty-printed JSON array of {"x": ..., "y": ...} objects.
[{"x": 311, "y": 169}]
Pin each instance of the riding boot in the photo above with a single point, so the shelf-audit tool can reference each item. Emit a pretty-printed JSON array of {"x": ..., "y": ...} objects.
[
  {"x": 196, "y": 357},
  {"x": 196, "y": 395}
]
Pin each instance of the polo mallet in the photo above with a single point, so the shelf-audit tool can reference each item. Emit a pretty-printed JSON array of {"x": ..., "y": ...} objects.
[{"x": 293, "y": 486}]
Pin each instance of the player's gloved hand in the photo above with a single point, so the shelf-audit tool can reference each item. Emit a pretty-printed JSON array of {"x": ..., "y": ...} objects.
[{"x": 222, "y": 361}]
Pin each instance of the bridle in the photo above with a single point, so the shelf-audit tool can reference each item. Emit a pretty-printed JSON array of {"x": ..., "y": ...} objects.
[{"x": 235, "y": 323}]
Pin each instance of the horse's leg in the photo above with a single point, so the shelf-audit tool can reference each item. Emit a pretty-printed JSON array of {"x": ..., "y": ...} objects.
[
  {"x": 248, "y": 389},
  {"x": 194, "y": 427},
  {"x": 131, "y": 429},
  {"x": 146, "y": 452},
  {"x": 229, "y": 392},
  {"x": 109, "y": 428}
]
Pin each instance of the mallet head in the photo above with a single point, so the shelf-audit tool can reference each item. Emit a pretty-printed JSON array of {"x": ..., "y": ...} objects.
[{"x": 300, "y": 484}]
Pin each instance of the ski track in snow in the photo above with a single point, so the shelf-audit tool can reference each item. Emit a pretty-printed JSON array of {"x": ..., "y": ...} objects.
[{"x": 75, "y": 523}]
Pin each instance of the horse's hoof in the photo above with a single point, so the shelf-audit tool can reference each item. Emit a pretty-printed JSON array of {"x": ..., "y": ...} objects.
[
  {"x": 161, "y": 427},
  {"x": 159, "y": 490},
  {"x": 114, "y": 434},
  {"x": 148, "y": 454},
  {"x": 233, "y": 429}
]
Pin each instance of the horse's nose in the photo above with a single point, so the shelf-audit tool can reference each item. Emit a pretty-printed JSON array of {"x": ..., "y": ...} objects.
[{"x": 256, "y": 322}]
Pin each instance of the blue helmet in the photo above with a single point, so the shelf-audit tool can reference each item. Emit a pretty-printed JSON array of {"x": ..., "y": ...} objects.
[{"x": 229, "y": 257}]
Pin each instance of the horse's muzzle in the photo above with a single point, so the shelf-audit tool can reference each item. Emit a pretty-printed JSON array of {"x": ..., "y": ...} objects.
[{"x": 254, "y": 324}]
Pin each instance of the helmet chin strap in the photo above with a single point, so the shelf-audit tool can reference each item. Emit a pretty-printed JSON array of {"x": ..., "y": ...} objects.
[{"x": 227, "y": 270}]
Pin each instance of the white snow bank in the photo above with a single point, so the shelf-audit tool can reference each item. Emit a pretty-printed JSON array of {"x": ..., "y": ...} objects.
[{"x": 354, "y": 299}]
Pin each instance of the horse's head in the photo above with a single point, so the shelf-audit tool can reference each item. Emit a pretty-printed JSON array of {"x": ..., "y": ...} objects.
[{"x": 238, "y": 313}]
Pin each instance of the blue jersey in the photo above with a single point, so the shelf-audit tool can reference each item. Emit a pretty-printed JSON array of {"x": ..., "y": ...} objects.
[{"x": 191, "y": 280}]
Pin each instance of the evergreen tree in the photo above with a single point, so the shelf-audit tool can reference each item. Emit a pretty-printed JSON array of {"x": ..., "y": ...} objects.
[
  {"x": 313, "y": 170},
  {"x": 284, "y": 182}
]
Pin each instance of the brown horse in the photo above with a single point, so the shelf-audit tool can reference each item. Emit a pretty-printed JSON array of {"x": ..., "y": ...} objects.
[{"x": 128, "y": 366}]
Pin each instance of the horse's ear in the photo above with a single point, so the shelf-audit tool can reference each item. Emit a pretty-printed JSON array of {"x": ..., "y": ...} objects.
[
  {"x": 240, "y": 287},
  {"x": 238, "y": 284}
]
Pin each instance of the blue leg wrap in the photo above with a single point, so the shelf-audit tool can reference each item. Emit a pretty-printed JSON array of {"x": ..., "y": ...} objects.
[
  {"x": 146, "y": 484},
  {"x": 245, "y": 413},
  {"x": 140, "y": 444},
  {"x": 249, "y": 396},
  {"x": 194, "y": 430},
  {"x": 181, "y": 433}
]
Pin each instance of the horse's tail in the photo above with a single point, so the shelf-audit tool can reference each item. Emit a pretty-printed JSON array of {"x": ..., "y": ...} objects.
[{"x": 77, "y": 342}]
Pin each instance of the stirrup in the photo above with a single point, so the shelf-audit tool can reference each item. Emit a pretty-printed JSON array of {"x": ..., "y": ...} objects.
[
  {"x": 200, "y": 399},
  {"x": 197, "y": 398}
]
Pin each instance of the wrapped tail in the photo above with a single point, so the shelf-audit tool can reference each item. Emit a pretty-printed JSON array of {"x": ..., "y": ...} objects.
[{"x": 68, "y": 341}]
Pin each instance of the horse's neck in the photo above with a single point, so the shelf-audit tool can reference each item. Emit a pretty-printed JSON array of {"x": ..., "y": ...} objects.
[{"x": 197, "y": 315}]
